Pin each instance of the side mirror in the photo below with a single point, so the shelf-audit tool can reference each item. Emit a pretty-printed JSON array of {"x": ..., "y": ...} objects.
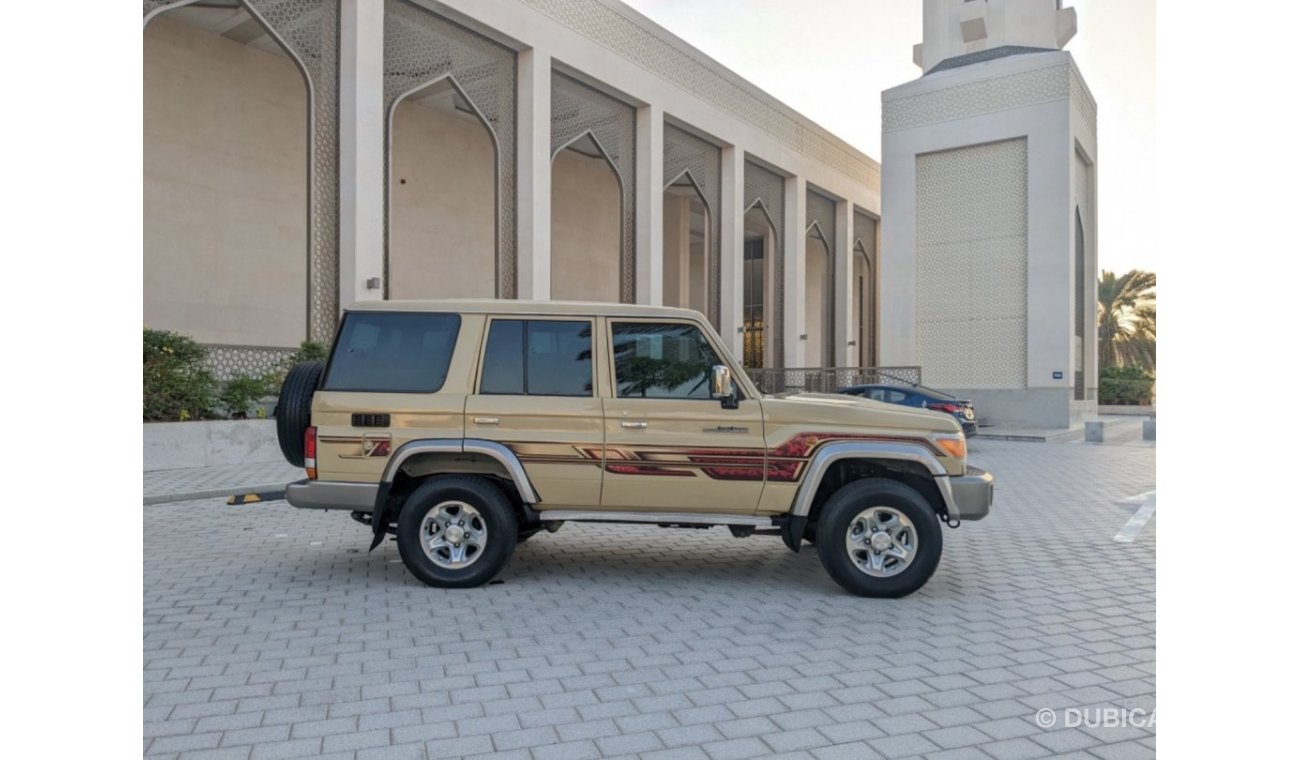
[{"x": 723, "y": 387}]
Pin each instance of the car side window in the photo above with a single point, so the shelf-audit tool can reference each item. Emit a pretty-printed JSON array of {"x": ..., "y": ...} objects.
[
  {"x": 537, "y": 357},
  {"x": 662, "y": 360},
  {"x": 896, "y": 397},
  {"x": 875, "y": 394}
]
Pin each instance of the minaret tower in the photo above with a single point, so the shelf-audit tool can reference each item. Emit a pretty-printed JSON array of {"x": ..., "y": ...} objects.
[{"x": 989, "y": 213}]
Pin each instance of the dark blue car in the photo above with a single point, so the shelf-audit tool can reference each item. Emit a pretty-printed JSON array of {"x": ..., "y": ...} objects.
[{"x": 921, "y": 397}]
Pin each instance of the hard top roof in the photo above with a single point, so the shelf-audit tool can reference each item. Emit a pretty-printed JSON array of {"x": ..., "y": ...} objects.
[{"x": 508, "y": 306}]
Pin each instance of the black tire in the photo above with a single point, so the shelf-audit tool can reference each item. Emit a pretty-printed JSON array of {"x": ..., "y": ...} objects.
[
  {"x": 293, "y": 410},
  {"x": 840, "y": 511},
  {"x": 494, "y": 511}
]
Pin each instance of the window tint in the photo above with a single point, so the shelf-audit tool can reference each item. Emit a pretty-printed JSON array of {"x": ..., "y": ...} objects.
[
  {"x": 393, "y": 352},
  {"x": 662, "y": 360},
  {"x": 537, "y": 358},
  {"x": 503, "y": 360},
  {"x": 896, "y": 397}
]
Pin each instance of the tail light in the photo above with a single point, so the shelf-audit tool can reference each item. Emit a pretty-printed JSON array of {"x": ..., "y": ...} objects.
[
  {"x": 945, "y": 407},
  {"x": 309, "y": 452}
]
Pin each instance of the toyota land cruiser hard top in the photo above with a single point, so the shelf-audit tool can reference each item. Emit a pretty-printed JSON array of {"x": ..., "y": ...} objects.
[{"x": 465, "y": 427}]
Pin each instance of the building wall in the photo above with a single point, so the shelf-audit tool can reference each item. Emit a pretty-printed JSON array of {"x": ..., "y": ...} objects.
[
  {"x": 365, "y": 56},
  {"x": 584, "y": 229},
  {"x": 225, "y": 189},
  {"x": 971, "y": 265},
  {"x": 442, "y": 228}
]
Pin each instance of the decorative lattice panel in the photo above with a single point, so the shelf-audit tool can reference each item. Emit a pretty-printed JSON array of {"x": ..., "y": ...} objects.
[
  {"x": 767, "y": 189},
  {"x": 821, "y": 210},
  {"x": 991, "y": 95},
  {"x": 1083, "y": 103},
  {"x": 972, "y": 265},
  {"x": 576, "y": 110},
  {"x": 309, "y": 32},
  {"x": 227, "y": 362},
  {"x": 686, "y": 154},
  {"x": 421, "y": 48}
]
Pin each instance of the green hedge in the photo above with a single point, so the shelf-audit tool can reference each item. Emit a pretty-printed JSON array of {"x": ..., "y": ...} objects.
[
  {"x": 177, "y": 385},
  {"x": 1125, "y": 386}
]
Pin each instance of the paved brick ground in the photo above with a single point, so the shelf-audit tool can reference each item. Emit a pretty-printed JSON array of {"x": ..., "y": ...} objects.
[
  {"x": 171, "y": 484},
  {"x": 271, "y": 633}
]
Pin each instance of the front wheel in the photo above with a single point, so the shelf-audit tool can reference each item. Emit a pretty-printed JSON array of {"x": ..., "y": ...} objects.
[
  {"x": 879, "y": 538},
  {"x": 456, "y": 531}
]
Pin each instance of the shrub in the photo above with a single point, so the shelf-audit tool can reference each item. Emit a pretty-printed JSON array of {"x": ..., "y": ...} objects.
[
  {"x": 308, "y": 350},
  {"x": 241, "y": 394},
  {"x": 1128, "y": 385},
  {"x": 177, "y": 386}
]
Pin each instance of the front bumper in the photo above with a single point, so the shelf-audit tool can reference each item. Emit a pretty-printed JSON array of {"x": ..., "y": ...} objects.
[
  {"x": 972, "y": 494},
  {"x": 332, "y": 494}
]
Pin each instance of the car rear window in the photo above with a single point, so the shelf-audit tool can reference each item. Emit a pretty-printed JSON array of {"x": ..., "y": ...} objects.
[{"x": 393, "y": 352}]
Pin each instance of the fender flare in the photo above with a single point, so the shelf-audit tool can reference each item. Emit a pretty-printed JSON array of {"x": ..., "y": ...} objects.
[
  {"x": 514, "y": 468},
  {"x": 834, "y": 452}
]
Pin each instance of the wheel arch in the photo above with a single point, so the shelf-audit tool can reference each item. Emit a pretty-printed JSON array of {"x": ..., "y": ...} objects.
[
  {"x": 843, "y": 462},
  {"x": 431, "y": 456},
  {"x": 417, "y": 460}
]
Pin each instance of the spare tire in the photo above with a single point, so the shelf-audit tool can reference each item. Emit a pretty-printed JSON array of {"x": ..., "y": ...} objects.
[{"x": 293, "y": 411}]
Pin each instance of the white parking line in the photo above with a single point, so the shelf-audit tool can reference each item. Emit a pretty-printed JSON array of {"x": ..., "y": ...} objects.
[{"x": 1139, "y": 519}]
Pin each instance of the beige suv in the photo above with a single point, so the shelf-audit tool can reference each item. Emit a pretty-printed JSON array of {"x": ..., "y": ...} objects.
[{"x": 465, "y": 427}]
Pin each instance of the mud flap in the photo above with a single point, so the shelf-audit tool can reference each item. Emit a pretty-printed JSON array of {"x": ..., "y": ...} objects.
[
  {"x": 379, "y": 518},
  {"x": 793, "y": 533}
]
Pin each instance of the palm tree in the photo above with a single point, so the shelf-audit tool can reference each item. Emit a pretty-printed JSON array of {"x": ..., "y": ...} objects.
[{"x": 1126, "y": 319}]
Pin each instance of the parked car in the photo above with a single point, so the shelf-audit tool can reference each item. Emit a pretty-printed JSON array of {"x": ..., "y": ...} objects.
[
  {"x": 923, "y": 398},
  {"x": 465, "y": 427}
]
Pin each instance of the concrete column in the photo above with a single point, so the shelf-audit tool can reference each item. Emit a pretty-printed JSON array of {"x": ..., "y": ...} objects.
[
  {"x": 534, "y": 181},
  {"x": 650, "y": 205},
  {"x": 732, "y": 253},
  {"x": 361, "y": 151},
  {"x": 796, "y": 269},
  {"x": 842, "y": 286}
]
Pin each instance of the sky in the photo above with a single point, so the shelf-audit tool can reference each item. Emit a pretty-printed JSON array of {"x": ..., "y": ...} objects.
[{"x": 830, "y": 59}]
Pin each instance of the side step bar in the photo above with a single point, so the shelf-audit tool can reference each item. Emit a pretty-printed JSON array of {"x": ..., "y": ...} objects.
[{"x": 659, "y": 518}]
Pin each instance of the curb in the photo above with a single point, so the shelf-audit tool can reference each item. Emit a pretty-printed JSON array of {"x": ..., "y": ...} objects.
[
  {"x": 212, "y": 493},
  {"x": 1056, "y": 436}
]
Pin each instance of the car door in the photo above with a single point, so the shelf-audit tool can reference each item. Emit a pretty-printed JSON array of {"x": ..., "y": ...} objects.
[
  {"x": 669, "y": 445},
  {"x": 536, "y": 394}
]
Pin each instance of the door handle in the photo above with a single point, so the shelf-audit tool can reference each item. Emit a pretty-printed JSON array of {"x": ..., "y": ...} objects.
[
  {"x": 487, "y": 420},
  {"x": 635, "y": 425}
]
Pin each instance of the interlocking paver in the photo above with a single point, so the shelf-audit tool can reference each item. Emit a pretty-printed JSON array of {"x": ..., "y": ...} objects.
[{"x": 262, "y": 619}]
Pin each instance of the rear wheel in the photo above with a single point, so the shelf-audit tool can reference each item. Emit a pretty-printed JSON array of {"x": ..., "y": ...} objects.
[
  {"x": 879, "y": 538},
  {"x": 456, "y": 531}
]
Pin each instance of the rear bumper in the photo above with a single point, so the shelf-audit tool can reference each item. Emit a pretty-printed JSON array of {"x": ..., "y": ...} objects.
[
  {"x": 972, "y": 494},
  {"x": 332, "y": 494}
]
